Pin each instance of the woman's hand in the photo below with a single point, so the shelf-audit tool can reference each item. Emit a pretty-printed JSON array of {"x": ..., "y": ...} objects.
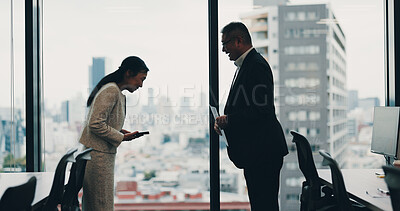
[
  {"x": 123, "y": 131},
  {"x": 128, "y": 136}
]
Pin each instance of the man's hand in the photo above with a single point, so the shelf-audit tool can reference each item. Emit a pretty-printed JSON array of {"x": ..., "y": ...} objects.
[
  {"x": 216, "y": 128},
  {"x": 221, "y": 122}
]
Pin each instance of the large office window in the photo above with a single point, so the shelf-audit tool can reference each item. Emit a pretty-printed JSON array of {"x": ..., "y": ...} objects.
[
  {"x": 328, "y": 77},
  {"x": 85, "y": 40},
  {"x": 12, "y": 105},
  {"x": 346, "y": 94}
]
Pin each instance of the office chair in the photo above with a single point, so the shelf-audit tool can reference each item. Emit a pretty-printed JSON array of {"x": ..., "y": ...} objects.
[
  {"x": 392, "y": 179},
  {"x": 310, "y": 197},
  {"x": 19, "y": 198},
  {"x": 57, "y": 188},
  {"x": 70, "y": 200},
  {"x": 343, "y": 202}
]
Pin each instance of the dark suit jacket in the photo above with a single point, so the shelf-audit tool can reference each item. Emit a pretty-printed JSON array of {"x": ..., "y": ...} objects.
[{"x": 253, "y": 132}]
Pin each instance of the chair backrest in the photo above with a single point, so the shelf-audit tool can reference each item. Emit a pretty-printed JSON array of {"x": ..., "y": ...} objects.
[
  {"x": 82, "y": 158},
  {"x": 57, "y": 188},
  {"x": 392, "y": 179},
  {"x": 19, "y": 198},
  {"x": 75, "y": 181},
  {"x": 305, "y": 157},
  {"x": 339, "y": 188}
]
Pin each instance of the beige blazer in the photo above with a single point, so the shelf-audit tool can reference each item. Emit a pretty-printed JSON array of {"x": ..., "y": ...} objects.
[{"x": 105, "y": 120}]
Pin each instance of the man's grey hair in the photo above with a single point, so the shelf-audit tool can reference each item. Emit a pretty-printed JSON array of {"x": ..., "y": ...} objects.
[{"x": 237, "y": 29}]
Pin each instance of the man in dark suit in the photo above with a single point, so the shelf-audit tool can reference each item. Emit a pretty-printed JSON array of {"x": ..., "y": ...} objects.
[{"x": 256, "y": 140}]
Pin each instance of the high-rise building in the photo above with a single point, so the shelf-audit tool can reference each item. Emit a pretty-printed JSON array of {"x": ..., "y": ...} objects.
[
  {"x": 64, "y": 117},
  {"x": 368, "y": 103},
  {"x": 352, "y": 101},
  {"x": 12, "y": 133},
  {"x": 264, "y": 3},
  {"x": 96, "y": 71},
  {"x": 150, "y": 109},
  {"x": 73, "y": 110},
  {"x": 306, "y": 49}
]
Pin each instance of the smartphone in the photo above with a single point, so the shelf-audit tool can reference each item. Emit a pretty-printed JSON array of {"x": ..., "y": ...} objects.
[{"x": 141, "y": 134}]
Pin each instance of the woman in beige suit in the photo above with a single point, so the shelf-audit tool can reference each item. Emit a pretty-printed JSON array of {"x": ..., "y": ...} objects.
[{"x": 103, "y": 131}]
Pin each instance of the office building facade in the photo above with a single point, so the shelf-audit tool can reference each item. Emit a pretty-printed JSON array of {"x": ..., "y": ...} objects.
[
  {"x": 12, "y": 138},
  {"x": 306, "y": 49}
]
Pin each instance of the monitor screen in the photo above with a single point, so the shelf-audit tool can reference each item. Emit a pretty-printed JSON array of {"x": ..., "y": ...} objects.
[{"x": 385, "y": 131}]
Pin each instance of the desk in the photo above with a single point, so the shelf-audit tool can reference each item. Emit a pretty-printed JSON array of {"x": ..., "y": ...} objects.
[
  {"x": 44, "y": 181},
  {"x": 357, "y": 182}
]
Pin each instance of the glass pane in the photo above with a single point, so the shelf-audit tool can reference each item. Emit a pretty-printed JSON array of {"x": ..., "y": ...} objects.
[
  {"x": 12, "y": 106},
  {"x": 85, "y": 40},
  {"x": 324, "y": 88},
  {"x": 232, "y": 183}
]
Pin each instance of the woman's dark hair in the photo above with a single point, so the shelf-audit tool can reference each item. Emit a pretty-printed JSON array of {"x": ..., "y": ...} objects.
[{"x": 132, "y": 63}]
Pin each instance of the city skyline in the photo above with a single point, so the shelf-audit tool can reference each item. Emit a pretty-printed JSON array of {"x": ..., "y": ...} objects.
[{"x": 195, "y": 70}]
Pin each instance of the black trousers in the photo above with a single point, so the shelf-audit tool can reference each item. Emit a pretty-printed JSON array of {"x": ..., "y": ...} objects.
[{"x": 263, "y": 185}]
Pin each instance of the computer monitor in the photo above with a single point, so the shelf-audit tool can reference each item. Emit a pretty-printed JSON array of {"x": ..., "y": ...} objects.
[{"x": 385, "y": 132}]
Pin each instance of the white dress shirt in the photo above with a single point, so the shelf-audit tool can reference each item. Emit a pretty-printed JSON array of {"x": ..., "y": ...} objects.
[{"x": 239, "y": 63}]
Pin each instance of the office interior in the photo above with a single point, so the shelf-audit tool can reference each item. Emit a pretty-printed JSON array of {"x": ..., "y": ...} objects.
[{"x": 213, "y": 78}]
